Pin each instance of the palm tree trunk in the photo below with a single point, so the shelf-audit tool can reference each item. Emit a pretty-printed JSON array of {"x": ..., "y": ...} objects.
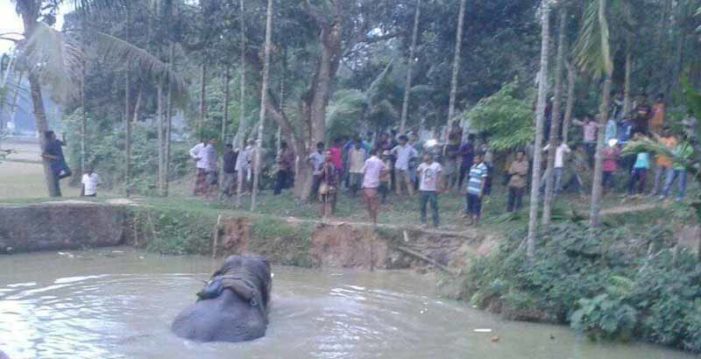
[
  {"x": 203, "y": 94},
  {"x": 161, "y": 136},
  {"x": 83, "y": 121},
  {"x": 410, "y": 64},
  {"x": 627, "y": 103},
  {"x": 456, "y": 63},
  {"x": 555, "y": 118},
  {"x": 540, "y": 119},
  {"x": 263, "y": 101},
  {"x": 127, "y": 129},
  {"x": 242, "y": 103},
  {"x": 569, "y": 106},
  {"x": 225, "y": 117},
  {"x": 169, "y": 123},
  {"x": 597, "y": 185}
]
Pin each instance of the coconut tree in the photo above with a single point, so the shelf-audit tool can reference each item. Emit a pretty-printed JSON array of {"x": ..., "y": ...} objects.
[
  {"x": 593, "y": 57},
  {"x": 263, "y": 101},
  {"x": 410, "y": 64},
  {"x": 456, "y": 62},
  {"x": 540, "y": 120}
]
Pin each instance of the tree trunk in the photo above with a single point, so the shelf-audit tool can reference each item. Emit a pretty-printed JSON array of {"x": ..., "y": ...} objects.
[
  {"x": 169, "y": 123},
  {"x": 627, "y": 103},
  {"x": 569, "y": 106},
  {"x": 540, "y": 117},
  {"x": 242, "y": 104},
  {"x": 597, "y": 185},
  {"x": 83, "y": 121},
  {"x": 456, "y": 63},
  {"x": 203, "y": 105},
  {"x": 29, "y": 20},
  {"x": 161, "y": 137},
  {"x": 127, "y": 129},
  {"x": 410, "y": 64},
  {"x": 263, "y": 101},
  {"x": 225, "y": 117},
  {"x": 555, "y": 118}
]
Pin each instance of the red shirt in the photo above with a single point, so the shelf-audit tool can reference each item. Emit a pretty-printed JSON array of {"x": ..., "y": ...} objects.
[
  {"x": 610, "y": 155},
  {"x": 336, "y": 157}
]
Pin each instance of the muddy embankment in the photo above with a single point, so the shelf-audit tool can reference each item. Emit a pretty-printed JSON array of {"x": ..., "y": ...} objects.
[{"x": 289, "y": 241}]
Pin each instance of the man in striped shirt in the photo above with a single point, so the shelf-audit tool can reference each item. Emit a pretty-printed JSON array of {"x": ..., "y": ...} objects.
[{"x": 475, "y": 189}]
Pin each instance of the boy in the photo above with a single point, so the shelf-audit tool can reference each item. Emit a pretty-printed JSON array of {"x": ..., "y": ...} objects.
[
  {"x": 372, "y": 170},
  {"x": 429, "y": 181},
  {"x": 518, "y": 171},
  {"x": 640, "y": 167},
  {"x": 475, "y": 189},
  {"x": 356, "y": 161},
  {"x": 404, "y": 153},
  {"x": 89, "y": 183}
]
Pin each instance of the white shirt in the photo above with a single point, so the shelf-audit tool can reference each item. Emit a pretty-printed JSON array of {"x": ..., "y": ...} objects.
[
  {"x": 560, "y": 153},
  {"x": 428, "y": 176},
  {"x": 244, "y": 159},
  {"x": 404, "y": 155},
  {"x": 372, "y": 170},
  {"x": 90, "y": 181},
  {"x": 356, "y": 160},
  {"x": 199, "y": 152}
]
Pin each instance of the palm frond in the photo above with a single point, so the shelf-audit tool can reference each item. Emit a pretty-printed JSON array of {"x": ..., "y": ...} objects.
[
  {"x": 373, "y": 91},
  {"x": 56, "y": 59},
  {"x": 115, "y": 48},
  {"x": 592, "y": 50}
]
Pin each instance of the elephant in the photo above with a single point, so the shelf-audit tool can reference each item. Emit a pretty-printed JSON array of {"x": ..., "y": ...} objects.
[{"x": 233, "y": 306}]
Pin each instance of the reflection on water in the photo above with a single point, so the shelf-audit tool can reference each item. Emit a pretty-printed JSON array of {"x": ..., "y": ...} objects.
[{"x": 104, "y": 304}]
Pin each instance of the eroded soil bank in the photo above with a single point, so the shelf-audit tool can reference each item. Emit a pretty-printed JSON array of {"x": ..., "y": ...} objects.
[{"x": 289, "y": 241}]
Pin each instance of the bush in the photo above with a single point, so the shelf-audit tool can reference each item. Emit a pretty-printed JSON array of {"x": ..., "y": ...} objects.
[{"x": 601, "y": 283}]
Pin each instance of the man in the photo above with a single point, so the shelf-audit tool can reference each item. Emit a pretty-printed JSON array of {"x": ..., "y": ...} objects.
[
  {"x": 561, "y": 150},
  {"x": 404, "y": 153},
  {"x": 385, "y": 179},
  {"x": 467, "y": 154},
  {"x": 285, "y": 168},
  {"x": 372, "y": 170},
  {"x": 53, "y": 152},
  {"x": 589, "y": 135},
  {"x": 663, "y": 163},
  {"x": 610, "y": 155},
  {"x": 317, "y": 159},
  {"x": 328, "y": 186},
  {"x": 243, "y": 166},
  {"x": 356, "y": 162},
  {"x": 198, "y": 154},
  {"x": 518, "y": 172},
  {"x": 641, "y": 115},
  {"x": 450, "y": 158},
  {"x": 229, "y": 171},
  {"x": 682, "y": 152},
  {"x": 89, "y": 183},
  {"x": 212, "y": 174},
  {"x": 429, "y": 173},
  {"x": 475, "y": 189}
]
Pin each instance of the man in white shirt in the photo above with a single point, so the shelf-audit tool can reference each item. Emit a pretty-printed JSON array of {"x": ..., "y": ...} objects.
[
  {"x": 356, "y": 162},
  {"x": 89, "y": 182},
  {"x": 372, "y": 170},
  {"x": 243, "y": 166},
  {"x": 429, "y": 173},
  {"x": 404, "y": 153},
  {"x": 199, "y": 155},
  {"x": 559, "y": 166}
]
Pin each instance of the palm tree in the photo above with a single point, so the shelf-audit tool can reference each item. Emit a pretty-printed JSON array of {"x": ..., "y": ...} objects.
[
  {"x": 410, "y": 64},
  {"x": 555, "y": 117},
  {"x": 263, "y": 101},
  {"x": 593, "y": 56},
  {"x": 242, "y": 101},
  {"x": 456, "y": 62},
  {"x": 540, "y": 119}
]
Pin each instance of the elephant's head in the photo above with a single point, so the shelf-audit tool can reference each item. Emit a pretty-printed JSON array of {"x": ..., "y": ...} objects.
[{"x": 233, "y": 306}]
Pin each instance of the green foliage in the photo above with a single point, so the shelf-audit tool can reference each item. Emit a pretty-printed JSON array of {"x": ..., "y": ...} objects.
[
  {"x": 603, "y": 317},
  {"x": 505, "y": 116},
  {"x": 174, "y": 231},
  {"x": 603, "y": 283}
]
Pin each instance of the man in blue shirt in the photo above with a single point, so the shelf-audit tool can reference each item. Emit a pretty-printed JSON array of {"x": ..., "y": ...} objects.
[
  {"x": 53, "y": 152},
  {"x": 475, "y": 189}
]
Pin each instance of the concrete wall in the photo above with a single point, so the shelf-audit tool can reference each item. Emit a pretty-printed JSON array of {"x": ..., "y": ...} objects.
[{"x": 60, "y": 226}]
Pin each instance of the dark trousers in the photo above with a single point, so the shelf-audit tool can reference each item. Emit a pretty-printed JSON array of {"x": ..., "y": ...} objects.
[
  {"x": 639, "y": 176},
  {"x": 474, "y": 205},
  {"x": 316, "y": 182},
  {"x": 384, "y": 191},
  {"x": 464, "y": 169},
  {"x": 282, "y": 181},
  {"x": 515, "y": 201},
  {"x": 609, "y": 182},
  {"x": 429, "y": 197}
]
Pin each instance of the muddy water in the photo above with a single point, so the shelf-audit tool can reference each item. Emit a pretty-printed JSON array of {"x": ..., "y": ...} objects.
[{"x": 105, "y": 304}]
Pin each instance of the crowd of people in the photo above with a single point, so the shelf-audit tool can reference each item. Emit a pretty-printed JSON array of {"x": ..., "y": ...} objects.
[{"x": 377, "y": 165}]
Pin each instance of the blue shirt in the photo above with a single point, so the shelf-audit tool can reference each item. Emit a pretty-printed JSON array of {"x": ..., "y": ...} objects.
[
  {"x": 642, "y": 161},
  {"x": 478, "y": 174}
]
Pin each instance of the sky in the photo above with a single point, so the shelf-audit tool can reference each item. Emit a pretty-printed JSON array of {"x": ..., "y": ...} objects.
[{"x": 11, "y": 22}]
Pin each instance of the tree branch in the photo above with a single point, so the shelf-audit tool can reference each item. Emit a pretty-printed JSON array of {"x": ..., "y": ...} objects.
[{"x": 316, "y": 14}]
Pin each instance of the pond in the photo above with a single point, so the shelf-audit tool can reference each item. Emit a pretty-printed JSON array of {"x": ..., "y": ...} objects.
[{"x": 119, "y": 303}]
